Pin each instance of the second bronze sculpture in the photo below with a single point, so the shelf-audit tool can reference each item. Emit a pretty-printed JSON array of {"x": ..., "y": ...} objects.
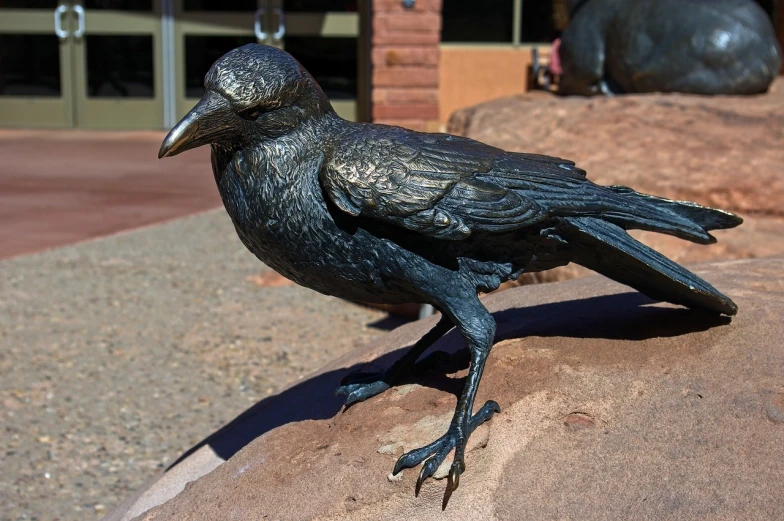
[
  {"x": 382, "y": 214},
  {"x": 694, "y": 46}
]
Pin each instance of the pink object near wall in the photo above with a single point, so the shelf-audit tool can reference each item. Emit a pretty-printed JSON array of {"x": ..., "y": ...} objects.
[{"x": 555, "y": 61}]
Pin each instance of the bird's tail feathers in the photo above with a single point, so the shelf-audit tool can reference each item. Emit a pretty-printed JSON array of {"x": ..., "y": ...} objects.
[
  {"x": 607, "y": 249},
  {"x": 683, "y": 219}
]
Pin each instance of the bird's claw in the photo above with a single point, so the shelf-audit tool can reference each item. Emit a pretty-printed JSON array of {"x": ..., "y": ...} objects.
[
  {"x": 361, "y": 386},
  {"x": 453, "y": 481},
  {"x": 431, "y": 456},
  {"x": 428, "y": 469}
]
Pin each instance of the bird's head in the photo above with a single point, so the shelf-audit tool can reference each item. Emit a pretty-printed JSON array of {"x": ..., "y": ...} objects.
[{"x": 253, "y": 93}]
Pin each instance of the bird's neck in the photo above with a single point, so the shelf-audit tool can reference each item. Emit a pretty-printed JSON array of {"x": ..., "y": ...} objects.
[{"x": 284, "y": 159}]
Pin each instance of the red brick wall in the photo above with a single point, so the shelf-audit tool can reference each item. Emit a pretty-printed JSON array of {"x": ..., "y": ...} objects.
[{"x": 405, "y": 63}]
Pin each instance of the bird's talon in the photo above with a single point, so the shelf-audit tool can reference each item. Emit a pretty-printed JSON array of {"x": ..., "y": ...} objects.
[
  {"x": 402, "y": 463},
  {"x": 431, "y": 456},
  {"x": 454, "y": 475},
  {"x": 453, "y": 481},
  {"x": 352, "y": 398},
  {"x": 357, "y": 392},
  {"x": 423, "y": 475}
]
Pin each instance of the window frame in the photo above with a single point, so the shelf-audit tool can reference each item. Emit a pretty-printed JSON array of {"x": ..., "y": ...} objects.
[{"x": 517, "y": 28}]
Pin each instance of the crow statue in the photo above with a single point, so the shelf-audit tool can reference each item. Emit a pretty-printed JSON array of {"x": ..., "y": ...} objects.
[{"x": 376, "y": 213}]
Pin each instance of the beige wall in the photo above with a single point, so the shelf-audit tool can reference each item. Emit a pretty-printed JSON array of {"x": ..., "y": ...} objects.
[{"x": 471, "y": 75}]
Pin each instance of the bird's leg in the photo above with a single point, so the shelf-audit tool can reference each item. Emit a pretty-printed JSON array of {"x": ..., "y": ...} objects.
[
  {"x": 361, "y": 386},
  {"x": 478, "y": 330}
]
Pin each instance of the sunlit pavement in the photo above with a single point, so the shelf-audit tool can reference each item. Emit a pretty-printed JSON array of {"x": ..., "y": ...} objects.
[{"x": 63, "y": 186}]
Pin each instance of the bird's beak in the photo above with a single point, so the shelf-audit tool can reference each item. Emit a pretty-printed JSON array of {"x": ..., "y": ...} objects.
[{"x": 205, "y": 123}]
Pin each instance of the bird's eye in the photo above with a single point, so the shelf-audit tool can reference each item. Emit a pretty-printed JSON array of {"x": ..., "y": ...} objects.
[{"x": 251, "y": 113}]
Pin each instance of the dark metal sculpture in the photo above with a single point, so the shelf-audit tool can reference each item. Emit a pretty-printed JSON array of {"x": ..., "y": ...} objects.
[
  {"x": 375, "y": 213},
  {"x": 690, "y": 46}
]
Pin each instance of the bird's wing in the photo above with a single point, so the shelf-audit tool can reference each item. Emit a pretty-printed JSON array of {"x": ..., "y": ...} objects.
[{"x": 439, "y": 185}]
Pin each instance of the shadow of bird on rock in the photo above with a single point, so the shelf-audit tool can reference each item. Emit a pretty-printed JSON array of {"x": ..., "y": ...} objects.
[{"x": 626, "y": 316}]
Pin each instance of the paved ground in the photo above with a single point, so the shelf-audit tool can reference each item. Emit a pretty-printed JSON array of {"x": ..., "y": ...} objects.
[
  {"x": 59, "y": 187},
  {"x": 118, "y": 354}
]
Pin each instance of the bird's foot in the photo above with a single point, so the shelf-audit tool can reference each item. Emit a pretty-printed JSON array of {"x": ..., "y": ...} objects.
[
  {"x": 431, "y": 456},
  {"x": 358, "y": 387}
]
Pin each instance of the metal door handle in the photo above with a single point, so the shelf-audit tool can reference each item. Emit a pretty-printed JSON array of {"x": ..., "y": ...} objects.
[
  {"x": 258, "y": 18},
  {"x": 59, "y": 11},
  {"x": 281, "y": 32},
  {"x": 79, "y": 10}
]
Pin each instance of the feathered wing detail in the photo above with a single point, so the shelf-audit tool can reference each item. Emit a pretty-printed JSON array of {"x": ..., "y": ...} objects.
[
  {"x": 439, "y": 185},
  {"x": 448, "y": 187},
  {"x": 607, "y": 249}
]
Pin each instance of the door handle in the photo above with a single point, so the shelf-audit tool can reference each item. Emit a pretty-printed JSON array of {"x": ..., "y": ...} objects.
[
  {"x": 281, "y": 32},
  {"x": 79, "y": 10},
  {"x": 59, "y": 11},
  {"x": 258, "y": 20}
]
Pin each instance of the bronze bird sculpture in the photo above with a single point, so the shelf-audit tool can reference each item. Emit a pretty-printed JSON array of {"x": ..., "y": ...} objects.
[
  {"x": 692, "y": 46},
  {"x": 376, "y": 213}
]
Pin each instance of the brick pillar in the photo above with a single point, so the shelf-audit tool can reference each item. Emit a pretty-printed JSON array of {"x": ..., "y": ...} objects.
[{"x": 405, "y": 63}]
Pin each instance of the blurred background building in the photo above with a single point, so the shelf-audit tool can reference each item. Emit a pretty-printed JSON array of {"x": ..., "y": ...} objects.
[{"x": 139, "y": 64}]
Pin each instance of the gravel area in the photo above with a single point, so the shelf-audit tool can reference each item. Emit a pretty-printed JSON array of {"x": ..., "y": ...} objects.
[{"x": 117, "y": 355}]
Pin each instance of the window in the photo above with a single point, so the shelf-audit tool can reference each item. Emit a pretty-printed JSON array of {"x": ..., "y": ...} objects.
[
  {"x": 537, "y": 22},
  {"x": 500, "y": 21},
  {"x": 473, "y": 21}
]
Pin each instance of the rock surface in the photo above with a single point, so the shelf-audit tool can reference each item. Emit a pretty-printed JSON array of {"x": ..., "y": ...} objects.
[
  {"x": 613, "y": 407},
  {"x": 720, "y": 151}
]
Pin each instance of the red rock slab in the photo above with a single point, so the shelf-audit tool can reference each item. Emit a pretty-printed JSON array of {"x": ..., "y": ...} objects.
[
  {"x": 613, "y": 407},
  {"x": 723, "y": 151}
]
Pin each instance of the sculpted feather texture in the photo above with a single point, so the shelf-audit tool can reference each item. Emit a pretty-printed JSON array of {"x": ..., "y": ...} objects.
[{"x": 382, "y": 214}]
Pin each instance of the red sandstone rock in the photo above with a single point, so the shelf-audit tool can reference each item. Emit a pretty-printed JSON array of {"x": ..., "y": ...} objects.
[
  {"x": 721, "y": 151},
  {"x": 613, "y": 407}
]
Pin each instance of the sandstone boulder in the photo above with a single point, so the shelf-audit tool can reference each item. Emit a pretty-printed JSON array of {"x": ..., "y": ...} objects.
[
  {"x": 722, "y": 151},
  {"x": 613, "y": 407}
]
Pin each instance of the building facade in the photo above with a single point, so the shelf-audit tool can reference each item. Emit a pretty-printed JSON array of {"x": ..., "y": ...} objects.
[{"x": 139, "y": 64}]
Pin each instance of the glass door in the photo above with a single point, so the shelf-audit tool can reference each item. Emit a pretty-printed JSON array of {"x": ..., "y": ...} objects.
[
  {"x": 86, "y": 63},
  {"x": 35, "y": 57},
  {"x": 118, "y": 80},
  {"x": 324, "y": 36},
  {"x": 321, "y": 34},
  {"x": 204, "y": 31}
]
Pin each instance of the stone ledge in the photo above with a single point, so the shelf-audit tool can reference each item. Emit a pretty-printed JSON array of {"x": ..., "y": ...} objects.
[{"x": 612, "y": 406}]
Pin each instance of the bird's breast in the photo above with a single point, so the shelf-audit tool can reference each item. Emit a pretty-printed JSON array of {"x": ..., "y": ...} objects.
[{"x": 280, "y": 215}]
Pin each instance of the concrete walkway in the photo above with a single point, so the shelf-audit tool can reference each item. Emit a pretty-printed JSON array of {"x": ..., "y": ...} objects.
[
  {"x": 121, "y": 353},
  {"x": 65, "y": 186}
]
